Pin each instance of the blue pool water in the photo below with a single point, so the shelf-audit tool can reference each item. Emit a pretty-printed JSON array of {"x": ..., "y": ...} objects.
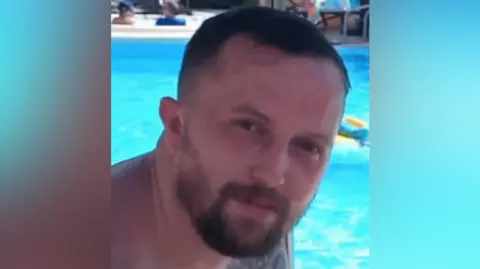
[{"x": 335, "y": 231}]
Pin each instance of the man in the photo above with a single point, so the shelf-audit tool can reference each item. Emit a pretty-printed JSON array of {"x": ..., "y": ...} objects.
[
  {"x": 170, "y": 11},
  {"x": 125, "y": 14},
  {"x": 261, "y": 94}
]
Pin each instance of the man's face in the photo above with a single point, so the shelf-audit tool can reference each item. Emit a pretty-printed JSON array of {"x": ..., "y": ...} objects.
[{"x": 255, "y": 142}]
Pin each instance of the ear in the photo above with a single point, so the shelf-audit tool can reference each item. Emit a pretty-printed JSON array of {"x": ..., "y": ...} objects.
[{"x": 170, "y": 114}]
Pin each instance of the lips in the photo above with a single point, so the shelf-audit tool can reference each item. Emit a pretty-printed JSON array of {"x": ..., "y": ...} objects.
[
  {"x": 261, "y": 203},
  {"x": 259, "y": 197},
  {"x": 253, "y": 210}
]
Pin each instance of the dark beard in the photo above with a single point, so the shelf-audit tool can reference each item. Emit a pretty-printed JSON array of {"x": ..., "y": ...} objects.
[
  {"x": 216, "y": 231},
  {"x": 210, "y": 221},
  {"x": 213, "y": 226}
]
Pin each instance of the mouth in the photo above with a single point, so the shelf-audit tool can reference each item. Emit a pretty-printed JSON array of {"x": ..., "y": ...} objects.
[
  {"x": 255, "y": 210},
  {"x": 261, "y": 203}
]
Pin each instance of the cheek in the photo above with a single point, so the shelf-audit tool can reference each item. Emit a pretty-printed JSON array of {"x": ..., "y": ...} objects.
[
  {"x": 218, "y": 162},
  {"x": 298, "y": 210},
  {"x": 302, "y": 184},
  {"x": 223, "y": 149},
  {"x": 300, "y": 199},
  {"x": 300, "y": 192}
]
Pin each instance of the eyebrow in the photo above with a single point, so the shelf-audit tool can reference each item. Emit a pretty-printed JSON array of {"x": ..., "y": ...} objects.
[
  {"x": 321, "y": 137},
  {"x": 249, "y": 109}
]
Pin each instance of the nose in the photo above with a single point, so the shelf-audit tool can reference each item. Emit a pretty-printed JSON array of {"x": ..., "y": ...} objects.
[{"x": 271, "y": 167}]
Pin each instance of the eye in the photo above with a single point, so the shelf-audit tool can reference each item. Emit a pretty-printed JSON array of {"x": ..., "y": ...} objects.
[
  {"x": 248, "y": 125},
  {"x": 307, "y": 146}
]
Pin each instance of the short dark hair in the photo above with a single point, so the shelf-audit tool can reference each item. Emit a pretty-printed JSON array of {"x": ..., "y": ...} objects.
[
  {"x": 125, "y": 6},
  {"x": 265, "y": 26}
]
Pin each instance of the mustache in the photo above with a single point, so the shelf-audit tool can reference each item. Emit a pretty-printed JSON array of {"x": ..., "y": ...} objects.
[{"x": 256, "y": 195}]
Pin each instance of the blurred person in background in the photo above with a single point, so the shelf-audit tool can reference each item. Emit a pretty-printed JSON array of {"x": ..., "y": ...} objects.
[
  {"x": 125, "y": 14},
  {"x": 170, "y": 12}
]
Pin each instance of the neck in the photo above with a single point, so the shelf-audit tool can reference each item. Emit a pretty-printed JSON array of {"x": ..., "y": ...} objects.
[{"x": 180, "y": 245}]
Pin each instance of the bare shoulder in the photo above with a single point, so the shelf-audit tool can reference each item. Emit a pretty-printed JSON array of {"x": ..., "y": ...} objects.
[
  {"x": 277, "y": 259},
  {"x": 126, "y": 167},
  {"x": 129, "y": 173},
  {"x": 129, "y": 194},
  {"x": 129, "y": 180}
]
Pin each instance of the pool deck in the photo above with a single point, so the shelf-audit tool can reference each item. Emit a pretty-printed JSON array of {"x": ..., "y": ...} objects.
[{"x": 144, "y": 28}]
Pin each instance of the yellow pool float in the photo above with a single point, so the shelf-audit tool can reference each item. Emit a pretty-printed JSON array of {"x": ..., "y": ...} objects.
[
  {"x": 343, "y": 139},
  {"x": 357, "y": 124}
]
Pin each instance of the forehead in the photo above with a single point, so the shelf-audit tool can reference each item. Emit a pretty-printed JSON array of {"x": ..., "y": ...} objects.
[{"x": 273, "y": 82}]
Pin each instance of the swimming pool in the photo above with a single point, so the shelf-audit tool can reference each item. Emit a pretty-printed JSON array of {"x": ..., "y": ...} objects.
[{"x": 335, "y": 231}]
